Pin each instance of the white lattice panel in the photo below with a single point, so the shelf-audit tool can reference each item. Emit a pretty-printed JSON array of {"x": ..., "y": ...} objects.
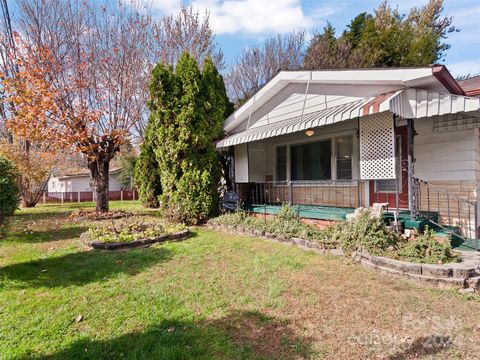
[
  {"x": 377, "y": 147},
  {"x": 241, "y": 163}
]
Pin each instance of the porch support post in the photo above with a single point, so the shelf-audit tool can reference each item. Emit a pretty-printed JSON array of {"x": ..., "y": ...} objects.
[{"x": 412, "y": 197}]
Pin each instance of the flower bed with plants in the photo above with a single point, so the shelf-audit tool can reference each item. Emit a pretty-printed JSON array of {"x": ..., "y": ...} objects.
[
  {"x": 132, "y": 232},
  {"x": 84, "y": 214},
  {"x": 367, "y": 233}
]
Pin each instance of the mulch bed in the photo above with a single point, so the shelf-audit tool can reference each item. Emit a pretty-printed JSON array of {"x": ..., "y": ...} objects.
[{"x": 179, "y": 236}]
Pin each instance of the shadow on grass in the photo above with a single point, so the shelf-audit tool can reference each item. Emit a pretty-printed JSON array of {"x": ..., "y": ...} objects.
[
  {"x": 80, "y": 268},
  {"x": 44, "y": 214},
  {"x": 46, "y": 235},
  {"x": 421, "y": 347},
  {"x": 240, "y": 335}
]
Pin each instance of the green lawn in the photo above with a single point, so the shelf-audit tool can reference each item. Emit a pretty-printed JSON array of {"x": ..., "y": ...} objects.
[{"x": 212, "y": 296}]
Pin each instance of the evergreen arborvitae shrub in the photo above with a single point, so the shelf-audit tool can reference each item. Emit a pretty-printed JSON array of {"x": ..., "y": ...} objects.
[
  {"x": 9, "y": 192},
  {"x": 147, "y": 173},
  {"x": 188, "y": 107}
]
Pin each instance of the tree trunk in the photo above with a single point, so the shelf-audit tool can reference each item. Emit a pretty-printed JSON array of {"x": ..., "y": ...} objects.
[{"x": 99, "y": 172}]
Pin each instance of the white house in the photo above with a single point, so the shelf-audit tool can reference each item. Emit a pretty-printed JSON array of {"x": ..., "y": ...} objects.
[
  {"x": 80, "y": 182},
  {"x": 339, "y": 139}
]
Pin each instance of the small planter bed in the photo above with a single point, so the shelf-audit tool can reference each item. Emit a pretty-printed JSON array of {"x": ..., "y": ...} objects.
[
  {"x": 368, "y": 232},
  {"x": 449, "y": 273},
  {"x": 132, "y": 233},
  {"x": 97, "y": 215}
]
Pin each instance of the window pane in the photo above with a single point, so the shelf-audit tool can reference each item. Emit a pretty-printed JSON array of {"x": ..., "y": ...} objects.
[
  {"x": 343, "y": 146},
  {"x": 281, "y": 170},
  {"x": 311, "y": 161},
  {"x": 386, "y": 186}
]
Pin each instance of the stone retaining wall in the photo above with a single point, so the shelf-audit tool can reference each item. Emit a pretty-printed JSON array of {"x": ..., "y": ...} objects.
[{"x": 455, "y": 275}]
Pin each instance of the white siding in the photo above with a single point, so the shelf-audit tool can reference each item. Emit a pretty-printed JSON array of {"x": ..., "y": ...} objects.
[
  {"x": 79, "y": 183},
  {"x": 241, "y": 163},
  {"x": 453, "y": 155}
]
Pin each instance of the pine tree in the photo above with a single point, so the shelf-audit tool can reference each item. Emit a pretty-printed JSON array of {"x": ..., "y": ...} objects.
[
  {"x": 386, "y": 38},
  {"x": 147, "y": 173},
  {"x": 188, "y": 108}
]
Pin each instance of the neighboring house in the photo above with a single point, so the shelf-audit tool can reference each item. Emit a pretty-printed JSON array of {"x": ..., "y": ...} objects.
[
  {"x": 471, "y": 86},
  {"x": 81, "y": 182},
  {"x": 329, "y": 141}
]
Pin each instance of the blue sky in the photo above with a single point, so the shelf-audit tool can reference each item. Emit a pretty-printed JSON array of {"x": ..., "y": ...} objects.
[{"x": 243, "y": 23}]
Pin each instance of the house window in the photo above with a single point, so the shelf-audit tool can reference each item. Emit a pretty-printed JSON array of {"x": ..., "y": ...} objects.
[
  {"x": 311, "y": 161},
  {"x": 343, "y": 148},
  {"x": 281, "y": 169}
]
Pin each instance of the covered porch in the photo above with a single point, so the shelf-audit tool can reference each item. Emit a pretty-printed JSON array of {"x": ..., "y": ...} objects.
[{"x": 410, "y": 149}]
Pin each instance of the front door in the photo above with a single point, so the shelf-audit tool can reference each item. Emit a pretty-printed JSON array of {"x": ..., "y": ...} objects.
[{"x": 384, "y": 191}]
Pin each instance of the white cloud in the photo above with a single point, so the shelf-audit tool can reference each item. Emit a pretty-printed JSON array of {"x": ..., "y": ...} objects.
[
  {"x": 166, "y": 6},
  {"x": 257, "y": 18},
  {"x": 253, "y": 17},
  {"x": 471, "y": 67}
]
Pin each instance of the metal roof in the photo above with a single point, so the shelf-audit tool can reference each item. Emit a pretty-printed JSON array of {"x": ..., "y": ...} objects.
[{"x": 408, "y": 103}]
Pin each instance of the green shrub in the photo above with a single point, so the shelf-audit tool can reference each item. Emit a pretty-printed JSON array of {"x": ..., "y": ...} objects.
[
  {"x": 9, "y": 192},
  {"x": 367, "y": 232},
  {"x": 188, "y": 107},
  {"x": 286, "y": 224},
  {"x": 425, "y": 248}
]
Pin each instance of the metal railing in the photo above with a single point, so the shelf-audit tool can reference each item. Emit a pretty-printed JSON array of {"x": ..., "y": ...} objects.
[
  {"x": 334, "y": 193},
  {"x": 85, "y": 196},
  {"x": 447, "y": 209}
]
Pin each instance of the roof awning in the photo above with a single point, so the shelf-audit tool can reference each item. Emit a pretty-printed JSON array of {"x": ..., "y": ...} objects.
[{"x": 407, "y": 103}]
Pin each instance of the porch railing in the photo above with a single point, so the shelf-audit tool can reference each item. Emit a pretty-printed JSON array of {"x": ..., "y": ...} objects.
[
  {"x": 334, "y": 193},
  {"x": 448, "y": 210}
]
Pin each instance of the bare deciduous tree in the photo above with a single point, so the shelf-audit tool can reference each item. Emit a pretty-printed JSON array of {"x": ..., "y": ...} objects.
[
  {"x": 186, "y": 32},
  {"x": 173, "y": 35},
  {"x": 84, "y": 72},
  {"x": 82, "y": 78},
  {"x": 256, "y": 66}
]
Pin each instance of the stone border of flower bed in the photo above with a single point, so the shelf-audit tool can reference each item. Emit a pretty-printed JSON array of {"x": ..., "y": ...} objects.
[
  {"x": 179, "y": 236},
  {"x": 455, "y": 275}
]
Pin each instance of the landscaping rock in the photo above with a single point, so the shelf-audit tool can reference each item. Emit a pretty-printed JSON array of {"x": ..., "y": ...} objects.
[
  {"x": 259, "y": 233},
  {"x": 466, "y": 291},
  {"x": 298, "y": 241},
  {"x": 337, "y": 252},
  {"x": 402, "y": 266},
  {"x": 437, "y": 270},
  {"x": 474, "y": 282},
  {"x": 464, "y": 272}
]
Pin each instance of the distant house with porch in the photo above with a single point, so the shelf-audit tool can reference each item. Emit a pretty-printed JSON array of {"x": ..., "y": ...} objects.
[{"x": 329, "y": 141}]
